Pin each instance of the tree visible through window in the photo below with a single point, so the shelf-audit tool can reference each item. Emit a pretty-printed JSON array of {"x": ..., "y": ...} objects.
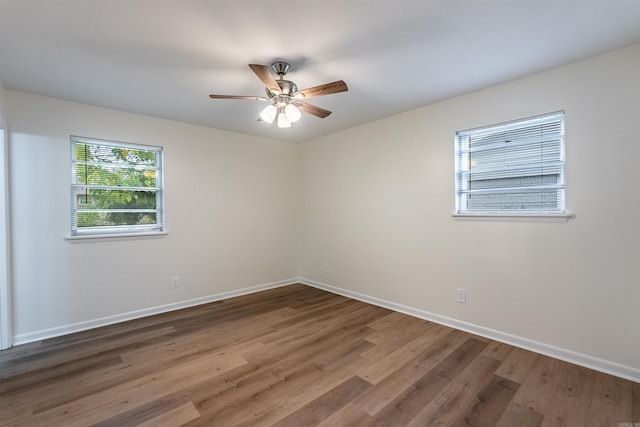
[
  {"x": 515, "y": 167},
  {"x": 116, "y": 187}
]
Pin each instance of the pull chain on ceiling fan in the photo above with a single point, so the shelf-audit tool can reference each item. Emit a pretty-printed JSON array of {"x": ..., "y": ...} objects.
[{"x": 286, "y": 102}]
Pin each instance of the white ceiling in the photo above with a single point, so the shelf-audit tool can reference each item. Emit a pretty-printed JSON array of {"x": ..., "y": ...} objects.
[{"x": 163, "y": 57}]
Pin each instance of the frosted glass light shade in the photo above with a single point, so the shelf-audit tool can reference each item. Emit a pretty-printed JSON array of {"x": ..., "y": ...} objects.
[
  {"x": 283, "y": 121},
  {"x": 292, "y": 112},
  {"x": 269, "y": 113}
]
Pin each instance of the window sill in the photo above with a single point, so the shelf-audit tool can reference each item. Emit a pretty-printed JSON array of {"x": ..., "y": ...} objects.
[
  {"x": 115, "y": 236},
  {"x": 514, "y": 217}
]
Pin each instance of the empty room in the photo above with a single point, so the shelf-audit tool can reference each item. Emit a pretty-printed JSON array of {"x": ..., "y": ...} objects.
[{"x": 319, "y": 213}]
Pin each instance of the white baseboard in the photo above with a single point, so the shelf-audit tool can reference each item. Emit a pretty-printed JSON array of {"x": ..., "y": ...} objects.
[
  {"x": 123, "y": 317},
  {"x": 606, "y": 366}
]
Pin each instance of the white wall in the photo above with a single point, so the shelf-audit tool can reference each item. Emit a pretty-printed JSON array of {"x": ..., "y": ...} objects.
[
  {"x": 231, "y": 212},
  {"x": 378, "y": 199}
]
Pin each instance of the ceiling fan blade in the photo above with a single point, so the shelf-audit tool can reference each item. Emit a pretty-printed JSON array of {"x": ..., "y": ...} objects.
[
  {"x": 253, "y": 98},
  {"x": 325, "y": 89},
  {"x": 313, "y": 110},
  {"x": 267, "y": 78}
]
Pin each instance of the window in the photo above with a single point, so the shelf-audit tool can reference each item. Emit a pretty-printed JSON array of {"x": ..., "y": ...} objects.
[
  {"x": 512, "y": 168},
  {"x": 116, "y": 188}
]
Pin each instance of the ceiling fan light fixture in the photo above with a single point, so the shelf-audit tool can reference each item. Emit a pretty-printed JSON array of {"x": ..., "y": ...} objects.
[
  {"x": 292, "y": 113},
  {"x": 268, "y": 114},
  {"x": 284, "y": 98}
]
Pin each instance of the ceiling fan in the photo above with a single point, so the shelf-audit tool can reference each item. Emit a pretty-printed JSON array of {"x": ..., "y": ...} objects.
[{"x": 286, "y": 102}]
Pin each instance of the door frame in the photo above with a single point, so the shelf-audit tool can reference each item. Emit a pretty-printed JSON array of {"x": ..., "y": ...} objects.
[{"x": 6, "y": 334}]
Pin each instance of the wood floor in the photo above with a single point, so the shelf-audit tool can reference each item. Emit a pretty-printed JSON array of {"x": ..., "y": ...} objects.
[{"x": 298, "y": 356}]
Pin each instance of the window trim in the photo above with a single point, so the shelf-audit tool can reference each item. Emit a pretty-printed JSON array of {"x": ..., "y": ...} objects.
[
  {"x": 514, "y": 217},
  {"x": 115, "y": 235},
  {"x": 126, "y": 231},
  {"x": 554, "y": 215}
]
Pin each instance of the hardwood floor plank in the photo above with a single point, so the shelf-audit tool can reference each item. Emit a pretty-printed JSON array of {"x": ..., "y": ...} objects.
[
  {"x": 326, "y": 405},
  {"x": 379, "y": 369},
  {"x": 540, "y": 384},
  {"x": 336, "y": 357},
  {"x": 175, "y": 417},
  {"x": 20, "y": 351},
  {"x": 407, "y": 331},
  {"x": 498, "y": 350},
  {"x": 391, "y": 387},
  {"x": 39, "y": 377},
  {"x": 517, "y": 365},
  {"x": 230, "y": 405},
  {"x": 611, "y": 401},
  {"x": 209, "y": 388},
  {"x": 386, "y": 323},
  {"x": 121, "y": 374},
  {"x": 47, "y": 389},
  {"x": 47, "y": 359},
  {"x": 331, "y": 309},
  {"x": 350, "y": 316},
  {"x": 304, "y": 347},
  {"x": 301, "y": 387},
  {"x": 300, "y": 361},
  {"x": 97, "y": 407},
  {"x": 196, "y": 342},
  {"x": 308, "y": 300},
  {"x": 458, "y": 395},
  {"x": 518, "y": 415},
  {"x": 489, "y": 404},
  {"x": 299, "y": 395},
  {"x": 298, "y": 356},
  {"x": 405, "y": 407},
  {"x": 165, "y": 414},
  {"x": 347, "y": 416},
  {"x": 574, "y": 392},
  {"x": 324, "y": 334}
]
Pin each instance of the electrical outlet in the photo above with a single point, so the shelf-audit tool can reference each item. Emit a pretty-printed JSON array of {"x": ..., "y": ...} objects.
[
  {"x": 175, "y": 282},
  {"x": 461, "y": 296},
  {"x": 326, "y": 268}
]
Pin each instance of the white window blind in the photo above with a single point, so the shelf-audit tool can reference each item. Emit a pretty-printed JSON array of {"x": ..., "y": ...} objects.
[
  {"x": 512, "y": 167},
  {"x": 116, "y": 188}
]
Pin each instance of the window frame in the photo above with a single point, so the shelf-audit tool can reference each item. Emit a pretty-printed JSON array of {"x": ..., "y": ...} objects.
[
  {"x": 463, "y": 167},
  {"x": 157, "y": 228}
]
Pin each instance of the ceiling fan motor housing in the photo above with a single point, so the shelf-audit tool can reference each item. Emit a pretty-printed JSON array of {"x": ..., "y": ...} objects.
[{"x": 287, "y": 88}]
